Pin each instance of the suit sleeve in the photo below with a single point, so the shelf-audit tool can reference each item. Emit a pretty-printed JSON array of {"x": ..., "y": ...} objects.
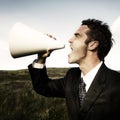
[{"x": 45, "y": 86}]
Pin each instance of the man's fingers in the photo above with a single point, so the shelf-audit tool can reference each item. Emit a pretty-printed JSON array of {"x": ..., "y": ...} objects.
[
  {"x": 51, "y": 36},
  {"x": 44, "y": 54}
]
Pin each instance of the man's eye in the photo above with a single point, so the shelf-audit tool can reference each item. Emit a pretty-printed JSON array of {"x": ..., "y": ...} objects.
[{"x": 77, "y": 35}]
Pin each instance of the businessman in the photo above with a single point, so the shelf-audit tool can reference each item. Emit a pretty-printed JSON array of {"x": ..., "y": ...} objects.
[{"x": 92, "y": 90}]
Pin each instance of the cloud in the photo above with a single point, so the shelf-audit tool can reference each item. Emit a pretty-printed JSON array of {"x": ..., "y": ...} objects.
[
  {"x": 116, "y": 26},
  {"x": 113, "y": 58}
]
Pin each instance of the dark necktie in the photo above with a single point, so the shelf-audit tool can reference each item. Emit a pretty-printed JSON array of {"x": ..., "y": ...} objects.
[{"x": 82, "y": 91}]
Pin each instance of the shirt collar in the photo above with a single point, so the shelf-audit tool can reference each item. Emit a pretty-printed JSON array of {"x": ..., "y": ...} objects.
[{"x": 88, "y": 78}]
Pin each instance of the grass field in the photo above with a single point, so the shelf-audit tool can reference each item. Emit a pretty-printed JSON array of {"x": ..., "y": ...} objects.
[{"x": 18, "y": 100}]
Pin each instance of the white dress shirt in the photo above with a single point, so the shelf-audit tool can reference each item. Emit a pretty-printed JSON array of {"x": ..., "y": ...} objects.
[{"x": 88, "y": 78}]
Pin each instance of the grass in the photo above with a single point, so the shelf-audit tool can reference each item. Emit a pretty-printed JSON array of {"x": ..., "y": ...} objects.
[{"x": 18, "y": 100}]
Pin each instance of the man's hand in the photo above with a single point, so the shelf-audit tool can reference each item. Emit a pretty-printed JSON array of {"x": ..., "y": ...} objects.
[{"x": 43, "y": 55}]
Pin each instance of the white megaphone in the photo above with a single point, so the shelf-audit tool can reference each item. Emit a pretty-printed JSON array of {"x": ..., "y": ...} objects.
[{"x": 24, "y": 41}]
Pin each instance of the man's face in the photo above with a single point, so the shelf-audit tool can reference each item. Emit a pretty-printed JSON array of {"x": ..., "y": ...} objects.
[{"x": 78, "y": 46}]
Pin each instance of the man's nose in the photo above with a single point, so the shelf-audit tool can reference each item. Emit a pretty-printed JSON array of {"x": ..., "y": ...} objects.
[{"x": 71, "y": 40}]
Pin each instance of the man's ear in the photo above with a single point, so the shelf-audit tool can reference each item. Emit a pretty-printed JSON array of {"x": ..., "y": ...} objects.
[{"x": 93, "y": 45}]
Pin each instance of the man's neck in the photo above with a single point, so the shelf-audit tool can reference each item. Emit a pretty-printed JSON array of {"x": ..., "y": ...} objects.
[{"x": 88, "y": 65}]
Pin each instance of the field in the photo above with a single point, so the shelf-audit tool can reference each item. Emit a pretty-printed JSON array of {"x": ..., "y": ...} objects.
[{"x": 18, "y": 100}]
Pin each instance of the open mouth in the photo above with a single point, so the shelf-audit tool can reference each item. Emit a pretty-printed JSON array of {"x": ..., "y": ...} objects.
[
  {"x": 71, "y": 47},
  {"x": 71, "y": 50}
]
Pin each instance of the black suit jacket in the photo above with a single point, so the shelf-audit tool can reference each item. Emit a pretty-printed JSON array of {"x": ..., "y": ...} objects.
[{"x": 102, "y": 101}]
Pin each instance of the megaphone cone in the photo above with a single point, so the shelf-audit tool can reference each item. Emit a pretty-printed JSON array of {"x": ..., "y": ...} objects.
[{"x": 24, "y": 41}]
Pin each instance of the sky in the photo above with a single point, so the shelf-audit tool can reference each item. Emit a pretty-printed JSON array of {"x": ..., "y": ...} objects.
[{"x": 59, "y": 18}]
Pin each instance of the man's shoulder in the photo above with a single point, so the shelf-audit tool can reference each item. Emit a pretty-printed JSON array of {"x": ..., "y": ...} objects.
[
  {"x": 106, "y": 68},
  {"x": 77, "y": 69},
  {"x": 74, "y": 71},
  {"x": 115, "y": 72}
]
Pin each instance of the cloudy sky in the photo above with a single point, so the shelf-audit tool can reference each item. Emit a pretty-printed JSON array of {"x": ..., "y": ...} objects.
[{"x": 59, "y": 18}]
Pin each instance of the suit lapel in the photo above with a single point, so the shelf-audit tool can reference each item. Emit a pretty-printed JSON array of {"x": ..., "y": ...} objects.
[{"x": 95, "y": 90}]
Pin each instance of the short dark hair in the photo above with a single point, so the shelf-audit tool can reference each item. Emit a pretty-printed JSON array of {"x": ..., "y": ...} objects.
[{"x": 99, "y": 31}]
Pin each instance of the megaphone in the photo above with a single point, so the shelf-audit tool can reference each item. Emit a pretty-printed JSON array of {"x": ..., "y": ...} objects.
[{"x": 24, "y": 41}]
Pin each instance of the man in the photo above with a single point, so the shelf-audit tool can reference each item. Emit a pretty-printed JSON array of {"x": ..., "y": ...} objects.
[{"x": 90, "y": 44}]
